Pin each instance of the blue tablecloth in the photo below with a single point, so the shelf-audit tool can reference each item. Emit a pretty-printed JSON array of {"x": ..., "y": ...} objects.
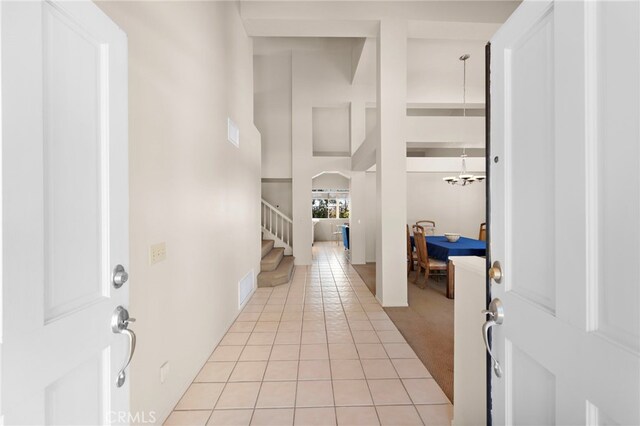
[{"x": 439, "y": 248}]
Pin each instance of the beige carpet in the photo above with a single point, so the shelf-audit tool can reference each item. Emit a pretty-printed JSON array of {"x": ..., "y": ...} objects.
[{"x": 427, "y": 324}]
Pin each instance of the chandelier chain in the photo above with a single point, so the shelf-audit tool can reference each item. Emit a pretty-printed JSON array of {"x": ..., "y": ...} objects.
[{"x": 464, "y": 178}]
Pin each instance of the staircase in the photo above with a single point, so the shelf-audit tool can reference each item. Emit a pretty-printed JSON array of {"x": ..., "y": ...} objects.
[
  {"x": 276, "y": 266},
  {"x": 277, "y": 226}
]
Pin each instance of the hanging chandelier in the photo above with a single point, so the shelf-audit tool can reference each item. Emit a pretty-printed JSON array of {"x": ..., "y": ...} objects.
[{"x": 464, "y": 178}]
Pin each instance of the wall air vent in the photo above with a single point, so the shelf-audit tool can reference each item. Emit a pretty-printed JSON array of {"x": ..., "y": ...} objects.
[{"x": 245, "y": 288}]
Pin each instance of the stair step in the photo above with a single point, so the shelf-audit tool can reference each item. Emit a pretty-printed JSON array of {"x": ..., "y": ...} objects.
[
  {"x": 281, "y": 275},
  {"x": 267, "y": 245},
  {"x": 271, "y": 261}
]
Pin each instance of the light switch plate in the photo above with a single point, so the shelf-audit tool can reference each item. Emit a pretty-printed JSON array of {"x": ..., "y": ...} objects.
[{"x": 157, "y": 253}]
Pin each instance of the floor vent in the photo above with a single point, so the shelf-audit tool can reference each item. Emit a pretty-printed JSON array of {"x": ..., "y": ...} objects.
[{"x": 245, "y": 287}]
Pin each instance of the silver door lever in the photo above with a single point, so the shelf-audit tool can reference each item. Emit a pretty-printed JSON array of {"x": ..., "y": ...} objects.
[
  {"x": 119, "y": 325},
  {"x": 496, "y": 317}
]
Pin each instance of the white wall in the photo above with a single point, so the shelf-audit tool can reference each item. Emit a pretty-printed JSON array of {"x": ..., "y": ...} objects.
[
  {"x": 326, "y": 227},
  {"x": 331, "y": 130},
  {"x": 434, "y": 71},
  {"x": 370, "y": 217},
  {"x": 190, "y": 66},
  {"x": 453, "y": 208},
  {"x": 330, "y": 181},
  {"x": 272, "y": 79},
  {"x": 470, "y": 355},
  {"x": 278, "y": 194}
]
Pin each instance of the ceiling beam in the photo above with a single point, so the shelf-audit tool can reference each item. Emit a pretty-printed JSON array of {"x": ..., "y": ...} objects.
[
  {"x": 356, "y": 55},
  {"x": 256, "y": 27},
  {"x": 435, "y": 30},
  {"x": 365, "y": 155},
  {"x": 450, "y": 165}
]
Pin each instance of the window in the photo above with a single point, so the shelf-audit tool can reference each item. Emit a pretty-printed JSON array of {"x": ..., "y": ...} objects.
[{"x": 330, "y": 204}]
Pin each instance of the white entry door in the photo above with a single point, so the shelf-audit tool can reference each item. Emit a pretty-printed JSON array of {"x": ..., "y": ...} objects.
[
  {"x": 565, "y": 213},
  {"x": 64, "y": 213}
]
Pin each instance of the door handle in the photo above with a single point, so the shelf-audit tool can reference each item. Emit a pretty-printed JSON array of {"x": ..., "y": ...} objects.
[
  {"x": 496, "y": 317},
  {"x": 119, "y": 325}
]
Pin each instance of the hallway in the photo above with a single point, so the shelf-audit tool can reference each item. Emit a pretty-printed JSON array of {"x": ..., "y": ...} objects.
[{"x": 317, "y": 351}]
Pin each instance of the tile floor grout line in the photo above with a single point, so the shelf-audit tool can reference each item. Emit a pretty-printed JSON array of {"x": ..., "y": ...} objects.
[
  {"x": 255, "y": 404},
  {"x": 363, "y": 372},
  {"x": 326, "y": 332},
  {"x": 295, "y": 395}
]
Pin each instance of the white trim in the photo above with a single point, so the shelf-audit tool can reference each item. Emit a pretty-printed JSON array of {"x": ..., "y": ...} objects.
[{"x": 591, "y": 166}]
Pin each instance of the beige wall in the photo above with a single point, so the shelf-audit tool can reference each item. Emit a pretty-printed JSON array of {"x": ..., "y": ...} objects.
[{"x": 190, "y": 67}]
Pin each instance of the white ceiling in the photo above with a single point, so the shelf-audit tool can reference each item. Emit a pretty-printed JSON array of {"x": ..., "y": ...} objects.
[{"x": 327, "y": 18}]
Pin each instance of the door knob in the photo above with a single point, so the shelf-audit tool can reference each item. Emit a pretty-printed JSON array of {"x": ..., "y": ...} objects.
[
  {"x": 496, "y": 317},
  {"x": 119, "y": 324},
  {"x": 119, "y": 276},
  {"x": 495, "y": 272}
]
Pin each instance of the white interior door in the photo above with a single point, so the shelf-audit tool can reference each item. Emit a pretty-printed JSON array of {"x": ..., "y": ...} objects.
[
  {"x": 64, "y": 213},
  {"x": 565, "y": 213}
]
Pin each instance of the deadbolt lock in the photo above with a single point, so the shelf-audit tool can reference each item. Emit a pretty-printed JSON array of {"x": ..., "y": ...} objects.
[
  {"x": 119, "y": 276},
  {"x": 495, "y": 272}
]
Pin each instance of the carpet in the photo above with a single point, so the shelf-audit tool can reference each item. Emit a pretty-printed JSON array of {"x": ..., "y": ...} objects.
[{"x": 427, "y": 324}]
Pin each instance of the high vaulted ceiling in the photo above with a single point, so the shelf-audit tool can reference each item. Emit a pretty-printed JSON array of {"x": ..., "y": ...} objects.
[
  {"x": 325, "y": 18},
  {"x": 439, "y": 32}
]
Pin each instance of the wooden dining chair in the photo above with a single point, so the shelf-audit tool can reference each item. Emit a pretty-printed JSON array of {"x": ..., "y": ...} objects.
[
  {"x": 483, "y": 232},
  {"x": 412, "y": 256},
  {"x": 428, "y": 225},
  {"x": 424, "y": 261}
]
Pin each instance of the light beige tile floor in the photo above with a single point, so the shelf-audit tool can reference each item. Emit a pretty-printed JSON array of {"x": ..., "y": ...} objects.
[{"x": 317, "y": 351}]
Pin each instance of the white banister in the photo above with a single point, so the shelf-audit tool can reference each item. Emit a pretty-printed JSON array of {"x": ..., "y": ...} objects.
[{"x": 277, "y": 225}]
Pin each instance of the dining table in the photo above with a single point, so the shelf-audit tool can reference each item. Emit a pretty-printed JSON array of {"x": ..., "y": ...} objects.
[{"x": 438, "y": 247}]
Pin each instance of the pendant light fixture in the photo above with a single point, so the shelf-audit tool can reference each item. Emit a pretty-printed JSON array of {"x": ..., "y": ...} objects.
[{"x": 464, "y": 178}]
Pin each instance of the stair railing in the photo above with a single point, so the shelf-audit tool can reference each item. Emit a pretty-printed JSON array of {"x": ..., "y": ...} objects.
[{"x": 277, "y": 223}]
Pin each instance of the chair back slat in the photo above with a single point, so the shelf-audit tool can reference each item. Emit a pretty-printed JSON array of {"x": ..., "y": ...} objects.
[
  {"x": 429, "y": 226},
  {"x": 409, "y": 248},
  {"x": 421, "y": 245}
]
